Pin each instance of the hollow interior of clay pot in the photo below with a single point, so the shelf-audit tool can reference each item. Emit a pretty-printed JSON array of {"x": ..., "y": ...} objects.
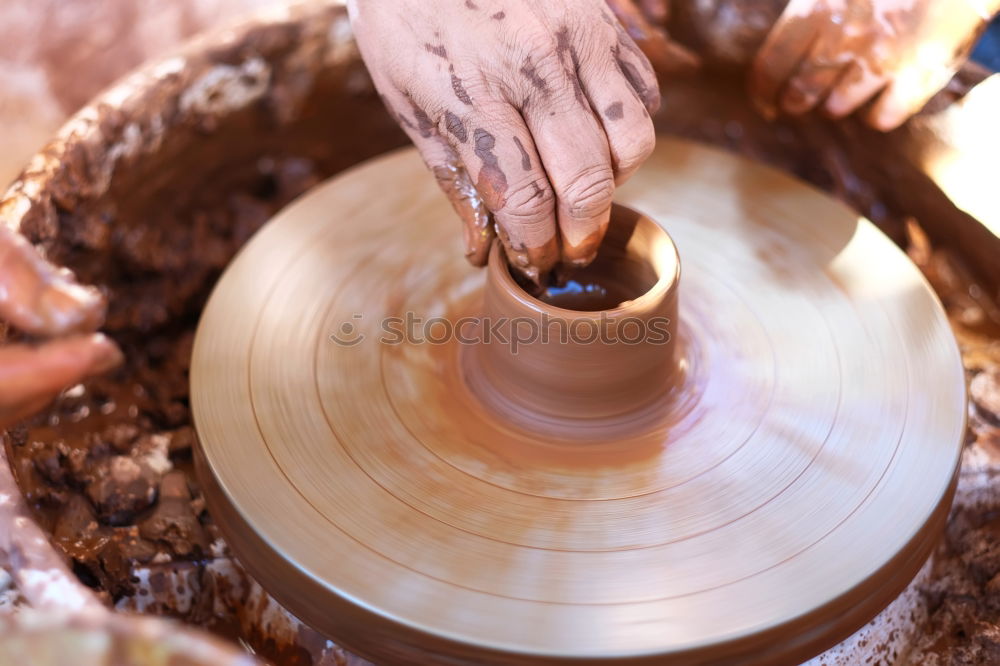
[{"x": 635, "y": 255}]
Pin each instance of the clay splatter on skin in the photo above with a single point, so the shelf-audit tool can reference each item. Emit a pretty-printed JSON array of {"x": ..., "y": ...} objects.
[
  {"x": 624, "y": 39},
  {"x": 564, "y": 48},
  {"x": 632, "y": 75},
  {"x": 562, "y": 41},
  {"x": 455, "y": 126},
  {"x": 499, "y": 16},
  {"x": 525, "y": 160},
  {"x": 469, "y": 4},
  {"x": 438, "y": 50},
  {"x": 424, "y": 124},
  {"x": 615, "y": 111},
  {"x": 468, "y": 203},
  {"x": 528, "y": 71},
  {"x": 575, "y": 77},
  {"x": 517, "y": 254},
  {"x": 492, "y": 181},
  {"x": 459, "y": 89}
]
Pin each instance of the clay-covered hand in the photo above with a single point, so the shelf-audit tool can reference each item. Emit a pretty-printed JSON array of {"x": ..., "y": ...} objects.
[
  {"x": 527, "y": 112},
  {"x": 644, "y": 21},
  {"x": 842, "y": 53},
  {"x": 41, "y": 300}
]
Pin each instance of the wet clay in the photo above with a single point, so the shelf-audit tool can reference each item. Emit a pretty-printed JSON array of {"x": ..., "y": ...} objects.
[
  {"x": 561, "y": 486},
  {"x": 558, "y": 362}
]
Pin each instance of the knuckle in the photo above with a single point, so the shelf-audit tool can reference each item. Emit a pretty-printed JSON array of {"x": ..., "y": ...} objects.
[
  {"x": 590, "y": 193},
  {"x": 535, "y": 58},
  {"x": 530, "y": 203},
  {"x": 540, "y": 46}
]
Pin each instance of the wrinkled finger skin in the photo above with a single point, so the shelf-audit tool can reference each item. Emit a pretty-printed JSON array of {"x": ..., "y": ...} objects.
[
  {"x": 840, "y": 55},
  {"x": 39, "y": 299},
  {"x": 527, "y": 114}
]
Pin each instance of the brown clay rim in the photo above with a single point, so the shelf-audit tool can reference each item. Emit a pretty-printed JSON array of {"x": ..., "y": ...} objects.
[{"x": 666, "y": 280}]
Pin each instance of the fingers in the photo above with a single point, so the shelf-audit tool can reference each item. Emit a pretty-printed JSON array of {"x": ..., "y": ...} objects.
[
  {"x": 636, "y": 72},
  {"x": 527, "y": 140},
  {"x": 40, "y": 299},
  {"x": 32, "y": 376},
  {"x": 448, "y": 169},
  {"x": 640, "y": 31},
  {"x": 629, "y": 129},
  {"x": 898, "y": 53},
  {"x": 909, "y": 90},
  {"x": 499, "y": 152},
  {"x": 477, "y": 222},
  {"x": 574, "y": 149},
  {"x": 818, "y": 72},
  {"x": 942, "y": 38},
  {"x": 786, "y": 46},
  {"x": 856, "y": 87}
]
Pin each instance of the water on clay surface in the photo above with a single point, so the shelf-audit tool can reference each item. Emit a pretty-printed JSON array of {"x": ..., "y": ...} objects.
[
  {"x": 614, "y": 278},
  {"x": 588, "y": 293}
]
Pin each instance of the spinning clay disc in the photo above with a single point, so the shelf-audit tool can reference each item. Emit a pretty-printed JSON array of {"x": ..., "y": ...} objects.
[{"x": 369, "y": 469}]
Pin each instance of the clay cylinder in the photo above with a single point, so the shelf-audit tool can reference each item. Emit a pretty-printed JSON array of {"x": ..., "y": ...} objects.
[{"x": 595, "y": 350}]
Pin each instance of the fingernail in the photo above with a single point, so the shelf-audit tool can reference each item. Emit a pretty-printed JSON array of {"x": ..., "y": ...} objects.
[
  {"x": 885, "y": 120},
  {"x": 582, "y": 253},
  {"x": 107, "y": 355},
  {"x": 836, "y": 105},
  {"x": 67, "y": 306}
]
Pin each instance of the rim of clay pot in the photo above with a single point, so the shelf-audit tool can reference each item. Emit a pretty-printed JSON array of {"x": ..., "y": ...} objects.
[{"x": 664, "y": 260}]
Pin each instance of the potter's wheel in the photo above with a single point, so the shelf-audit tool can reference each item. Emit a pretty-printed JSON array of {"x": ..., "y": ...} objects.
[{"x": 802, "y": 484}]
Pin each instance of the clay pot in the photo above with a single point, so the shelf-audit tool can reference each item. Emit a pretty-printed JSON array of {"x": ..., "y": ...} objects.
[{"x": 603, "y": 346}]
